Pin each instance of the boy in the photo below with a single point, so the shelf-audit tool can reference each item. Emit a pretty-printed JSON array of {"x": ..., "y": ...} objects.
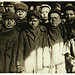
[
  {"x": 44, "y": 9},
  {"x": 21, "y": 11},
  {"x": 8, "y": 44},
  {"x": 36, "y": 60},
  {"x": 70, "y": 26},
  {"x": 56, "y": 40}
]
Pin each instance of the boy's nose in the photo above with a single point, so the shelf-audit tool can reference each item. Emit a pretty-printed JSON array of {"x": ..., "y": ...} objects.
[
  {"x": 9, "y": 21},
  {"x": 20, "y": 13}
]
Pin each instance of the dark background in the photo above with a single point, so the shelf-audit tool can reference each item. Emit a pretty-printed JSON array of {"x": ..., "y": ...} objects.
[{"x": 51, "y": 3}]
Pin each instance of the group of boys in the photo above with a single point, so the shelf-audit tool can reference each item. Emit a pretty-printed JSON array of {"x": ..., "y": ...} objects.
[{"x": 36, "y": 41}]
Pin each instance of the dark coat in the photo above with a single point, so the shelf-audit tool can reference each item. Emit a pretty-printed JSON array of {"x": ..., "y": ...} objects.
[
  {"x": 57, "y": 34},
  {"x": 21, "y": 24},
  {"x": 30, "y": 40},
  {"x": 8, "y": 50},
  {"x": 69, "y": 27}
]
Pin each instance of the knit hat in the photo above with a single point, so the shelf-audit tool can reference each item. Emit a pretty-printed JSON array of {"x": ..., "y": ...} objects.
[
  {"x": 34, "y": 13},
  {"x": 21, "y": 6},
  {"x": 45, "y": 5},
  {"x": 10, "y": 15},
  {"x": 55, "y": 11}
]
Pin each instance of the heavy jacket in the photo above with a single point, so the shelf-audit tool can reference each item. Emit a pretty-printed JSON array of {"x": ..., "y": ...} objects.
[
  {"x": 33, "y": 42},
  {"x": 21, "y": 24},
  {"x": 8, "y": 50}
]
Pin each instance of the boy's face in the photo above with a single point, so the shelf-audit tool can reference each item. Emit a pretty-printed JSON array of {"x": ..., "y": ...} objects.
[
  {"x": 55, "y": 19},
  {"x": 9, "y": 23},
  {"x": 10, "y": 8},
  {"x": 21, "y": 14},
  {"x": 69, "y": 15},
  {"x": 44, "y": 13},
  {"x": 33, "y": 22}
]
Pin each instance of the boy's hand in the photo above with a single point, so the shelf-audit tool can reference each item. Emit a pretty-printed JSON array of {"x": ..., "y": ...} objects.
[{"x": 70, "y": 60}]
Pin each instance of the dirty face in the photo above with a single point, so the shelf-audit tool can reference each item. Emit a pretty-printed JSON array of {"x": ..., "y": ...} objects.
[
  {"x": 9, "y": 23},
  {"x": 21, "y": 14},
  {"x": 33, "y": 22},
  {"x": 44, "y": 13},
  {"x": 55, "y": 19},
  {"x": 69, "y": 15}
]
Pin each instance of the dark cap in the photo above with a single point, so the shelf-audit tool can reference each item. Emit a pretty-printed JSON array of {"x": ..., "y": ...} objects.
[
  {"x": 21, "y": 6},
  {"x": 55, "y": 11},
  {"x": 10, "y": 15},
  {"x": 69, "y": 7},
  {"x": 34, "y": 13}
]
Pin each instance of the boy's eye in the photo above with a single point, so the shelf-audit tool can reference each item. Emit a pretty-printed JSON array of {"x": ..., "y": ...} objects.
[
  {"x": 71, "y": 14},
  {"x": 22, "y": 11},
  {"x": 46, "y": 11}
]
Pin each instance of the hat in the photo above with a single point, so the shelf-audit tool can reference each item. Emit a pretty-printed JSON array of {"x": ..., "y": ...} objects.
[
  {"x": 10, "y": 15},
  {"x": 69, "y": 7},
  {"x": 45, "y": 5},
  {"x": 21, "y": 6},
  {"x": 34, "y": 13},
  {"x": 2, "y": 10},
  {"x": 55, "y": 11}
]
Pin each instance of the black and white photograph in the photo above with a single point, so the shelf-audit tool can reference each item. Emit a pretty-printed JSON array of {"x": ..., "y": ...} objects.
[{"x": 37, "y": 37}]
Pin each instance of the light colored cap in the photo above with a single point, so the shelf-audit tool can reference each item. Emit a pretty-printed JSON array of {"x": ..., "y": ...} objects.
[{"x": 45, "y": 5}]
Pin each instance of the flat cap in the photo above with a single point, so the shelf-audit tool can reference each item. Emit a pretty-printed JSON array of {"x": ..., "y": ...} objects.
[
  {"x": 10, "y": 15},
  {"x": 45, "y": 5},
  {"x": 55, "y": 11},
  {"x": 34, "y": 13},
  {"x": 21, "y": 6}
]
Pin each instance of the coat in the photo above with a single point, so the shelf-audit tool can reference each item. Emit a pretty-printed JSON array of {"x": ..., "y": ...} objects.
[
  {"x": 21, "y": 24},
  {"x": 31, "y": 48},
  {"x": 8, "y": 50},
  {"x": 56, "y": 42}
]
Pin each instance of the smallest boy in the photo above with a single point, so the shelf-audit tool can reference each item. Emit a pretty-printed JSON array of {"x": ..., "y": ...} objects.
[{"x": 44, "y": 10}]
